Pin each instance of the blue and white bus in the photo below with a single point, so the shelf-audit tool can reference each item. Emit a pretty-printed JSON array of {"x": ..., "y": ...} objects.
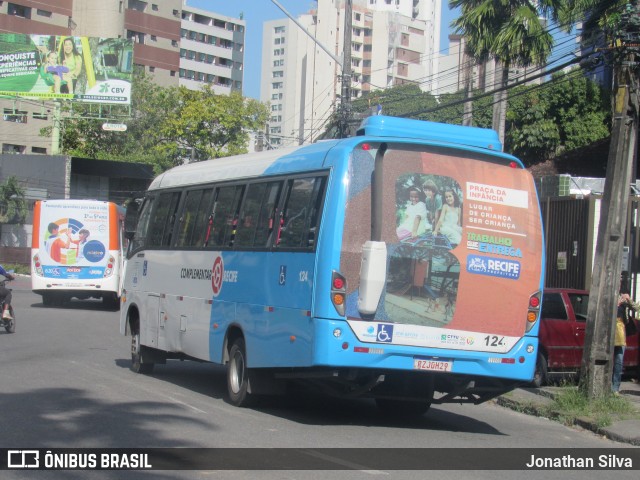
[{"x": 403, "y": 264}]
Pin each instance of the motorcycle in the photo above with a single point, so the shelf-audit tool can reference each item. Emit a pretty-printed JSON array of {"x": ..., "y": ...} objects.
[{"x": 9, "y": 324}]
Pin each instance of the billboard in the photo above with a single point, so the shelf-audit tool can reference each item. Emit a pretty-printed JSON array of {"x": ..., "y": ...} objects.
[{"x": 83, "y": 69}]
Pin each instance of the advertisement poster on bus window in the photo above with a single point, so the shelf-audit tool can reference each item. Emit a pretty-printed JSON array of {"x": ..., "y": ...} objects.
[
  {"x": 81, "y": 69},
  {"x": 464, "y": 248},
  {"x": 74, "y": 240}
]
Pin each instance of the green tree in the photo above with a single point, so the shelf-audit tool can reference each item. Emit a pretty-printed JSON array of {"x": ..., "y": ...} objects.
[
  {"x": 13, "y": 205},
  {"x": 510, "y": 31},
  {"x": 205, "y": 125},
  {"x": 165, "y": 125}
]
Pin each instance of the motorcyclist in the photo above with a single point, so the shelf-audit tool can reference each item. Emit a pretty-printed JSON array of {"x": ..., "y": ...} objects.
[{"x": 5, "y": 294}]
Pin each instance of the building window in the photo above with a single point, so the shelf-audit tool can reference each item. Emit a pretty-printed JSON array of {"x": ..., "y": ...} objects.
[
  {"x": 176, "y": 13},
  {"x": 154, "y": 7},
  {"x": 357, "y": 17},
  {"x": 39, "y": 116},
  {"x": 18, "y": 10},
  {"x": 40, "y": 150},
  {"x": 174, "y": 43},
  {"x": 43, "y": 13},
  {"x": 154, "y": 38},
  {"x": 137, "y": 5},
  {"x": 276, "y": 85},
  {"x": 152, "y": 69},
  {"x": 172, "y": 73},
  {"x": 11, "y": 148},
  {"x": 278, "y": 74},
  {"x": 280, "y": 29},
  {"x": 17, "y": 116},
  {"x": 137, "y": 37}
]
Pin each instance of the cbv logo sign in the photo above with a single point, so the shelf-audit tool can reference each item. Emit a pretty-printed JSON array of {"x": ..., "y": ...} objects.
[{"x": 106, "y": 88}]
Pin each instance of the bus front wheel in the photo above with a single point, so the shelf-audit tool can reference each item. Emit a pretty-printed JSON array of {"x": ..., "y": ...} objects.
[
  {"x": 238, "y": 375},
  {"x": 138, "y": 365}
]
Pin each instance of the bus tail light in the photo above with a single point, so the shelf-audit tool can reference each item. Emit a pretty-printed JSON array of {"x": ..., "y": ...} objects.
[
  {"x": 109, "y": 270},
  {"x": 338, "y": 292},
  {"x": 37, "y": 265},
  {"x": 534, "y": 310}
]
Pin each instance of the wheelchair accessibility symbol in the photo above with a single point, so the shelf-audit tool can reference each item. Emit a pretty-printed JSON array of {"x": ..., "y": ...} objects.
[{"x": 385, "y": 333}]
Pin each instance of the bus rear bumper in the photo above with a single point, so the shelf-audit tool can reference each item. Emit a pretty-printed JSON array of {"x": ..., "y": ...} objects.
[{"x": 343, "y": 349}]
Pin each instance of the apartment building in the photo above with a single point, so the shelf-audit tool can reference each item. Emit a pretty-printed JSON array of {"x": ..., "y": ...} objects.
[
  {"x": 211, "y": 51},
  {"x": 454, "y": 66},
  {"x": 392, "y": 42}
]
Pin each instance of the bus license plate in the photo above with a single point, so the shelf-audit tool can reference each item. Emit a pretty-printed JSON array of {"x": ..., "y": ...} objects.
[{"x": 434, "y": 365}]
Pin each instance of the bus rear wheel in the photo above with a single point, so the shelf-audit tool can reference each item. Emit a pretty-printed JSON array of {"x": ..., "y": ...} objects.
[
  {"x": 238, "y": 375},
  {"x": 138, "y": 365}
]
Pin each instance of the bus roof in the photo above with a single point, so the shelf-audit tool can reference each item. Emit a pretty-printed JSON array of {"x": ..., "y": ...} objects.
[
  {"x": 383, "y": 126},
  {"x": 272, "y": 162},
  {"x": 311, "y": 157}
]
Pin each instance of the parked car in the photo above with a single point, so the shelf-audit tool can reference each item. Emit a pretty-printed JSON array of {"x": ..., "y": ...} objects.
[{"x": 562, "y": 332}]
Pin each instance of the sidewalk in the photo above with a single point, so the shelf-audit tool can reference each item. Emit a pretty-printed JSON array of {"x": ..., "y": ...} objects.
[{"x": 534, "y": 400}]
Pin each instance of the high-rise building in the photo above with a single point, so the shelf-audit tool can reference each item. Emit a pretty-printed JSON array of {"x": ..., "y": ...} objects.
[
  {"x": 211, "y": 51},
  {"x": 392, "y": 42}
]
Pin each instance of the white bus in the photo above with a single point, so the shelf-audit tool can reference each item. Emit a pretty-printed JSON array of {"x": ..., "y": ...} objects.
[{"x": 76, "y": 250}]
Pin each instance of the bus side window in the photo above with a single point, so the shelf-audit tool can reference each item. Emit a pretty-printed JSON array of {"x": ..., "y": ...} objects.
[
  {"x": 267, "y": 219},
  {"x": 188, "y": 217},
  {"x": 249, "y": 216},
  {"x": 226, "y": 216},
  {"x": 302, "y": 199},
  {"x": 202, "y": 219},
  {"x": 162, "y": 219},
  {"x": 142, "y": 227},
  {"x": 194, "y": 218}
]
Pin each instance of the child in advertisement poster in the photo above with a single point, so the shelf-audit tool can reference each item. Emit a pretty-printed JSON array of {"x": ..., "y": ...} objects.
[
  {"x": 414, "y": 222},
  {"x": 80, "y": 243},
  {"x": 449, "y": 223},
  {"x": 52, "y": 73},
  {"x": 56, "y": 242}
]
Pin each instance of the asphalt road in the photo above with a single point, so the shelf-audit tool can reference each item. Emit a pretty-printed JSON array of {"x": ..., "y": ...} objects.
[{"x": 65, "y": 383}]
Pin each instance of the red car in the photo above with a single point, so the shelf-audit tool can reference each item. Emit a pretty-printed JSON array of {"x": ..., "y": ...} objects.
[{"x": 562, "y": 331}]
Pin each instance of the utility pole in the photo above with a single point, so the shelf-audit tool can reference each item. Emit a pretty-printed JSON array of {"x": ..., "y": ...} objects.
[
  {"x": 345, "y": 100},
  {"x": 597, "y": 360},
  {"x": 55, "y": 128}
]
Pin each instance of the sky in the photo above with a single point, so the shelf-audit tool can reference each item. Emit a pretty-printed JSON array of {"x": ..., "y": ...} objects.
[{"x": 255, "y": 12}]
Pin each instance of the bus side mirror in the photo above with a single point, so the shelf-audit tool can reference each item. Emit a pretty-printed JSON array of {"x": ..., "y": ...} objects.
[
  {"x": 373, "y": 273},
  {"x": 131, "y": 219}
]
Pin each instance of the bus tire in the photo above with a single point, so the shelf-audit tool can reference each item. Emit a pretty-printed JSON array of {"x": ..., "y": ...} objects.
[
  {"x": 138, "y": 365},
  {"x": 111, "y": 301},
  {"x": 540, "y": 376},
  {"x": 238, "y": 375},
  {"x": 402, "y": 408},
  {"x": 47, "y": 299}
]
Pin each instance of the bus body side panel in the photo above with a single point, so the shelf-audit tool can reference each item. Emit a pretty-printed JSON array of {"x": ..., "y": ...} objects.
[{"x": 275, "y": 316}]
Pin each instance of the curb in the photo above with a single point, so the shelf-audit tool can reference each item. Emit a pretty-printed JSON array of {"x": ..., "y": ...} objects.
[{"x": 536, "y": 406}]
